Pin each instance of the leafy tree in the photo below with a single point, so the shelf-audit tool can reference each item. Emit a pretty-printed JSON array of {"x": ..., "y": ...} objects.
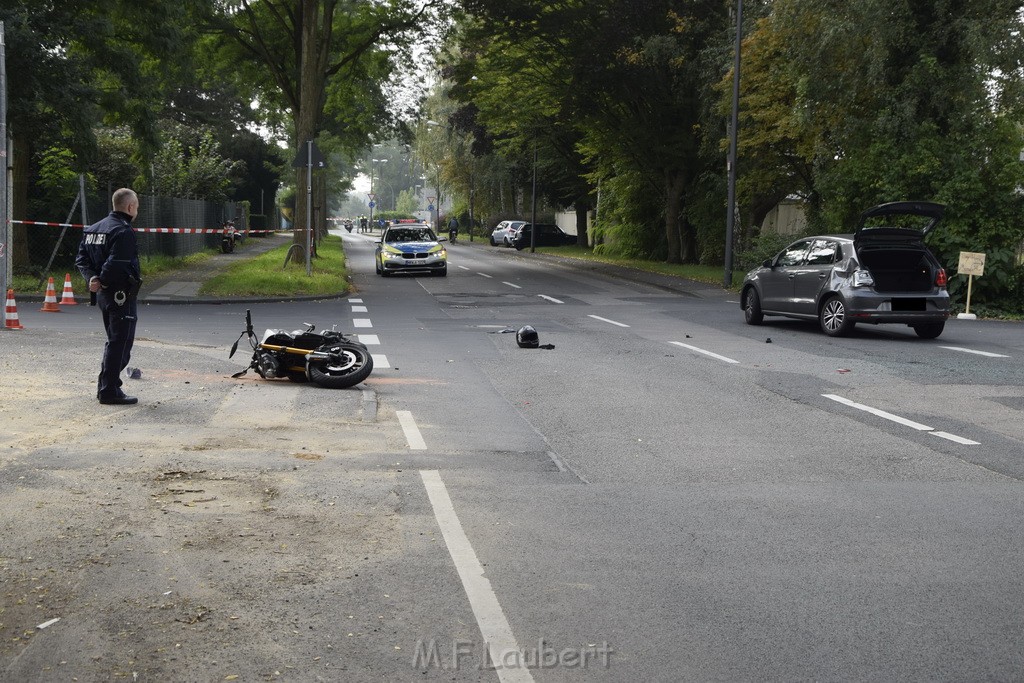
[
  {"x": 845, "y": 110},
  {"x": 323, "y": 61},
  {"x": 623, "y": 83},
  {"x": 73, "y": 63},
  {"x": 189, "y": 164}
]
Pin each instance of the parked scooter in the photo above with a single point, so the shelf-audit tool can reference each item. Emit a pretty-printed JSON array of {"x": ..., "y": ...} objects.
[
  {"x": 227, "y": 237},
  {"x": 328, "y": 358}
]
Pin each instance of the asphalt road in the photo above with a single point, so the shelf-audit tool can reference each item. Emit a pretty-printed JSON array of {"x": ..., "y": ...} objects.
[{"x": 664, "y": 496}]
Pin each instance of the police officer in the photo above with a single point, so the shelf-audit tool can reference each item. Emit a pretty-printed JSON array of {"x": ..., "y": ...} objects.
[{"x": 108, "y": 259}]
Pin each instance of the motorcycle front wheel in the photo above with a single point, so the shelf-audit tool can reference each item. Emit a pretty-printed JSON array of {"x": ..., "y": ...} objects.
[{"x": 350, "y": 365}]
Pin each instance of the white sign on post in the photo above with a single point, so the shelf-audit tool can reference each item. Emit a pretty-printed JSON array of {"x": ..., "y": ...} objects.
[{"x": 971, "y": 264}]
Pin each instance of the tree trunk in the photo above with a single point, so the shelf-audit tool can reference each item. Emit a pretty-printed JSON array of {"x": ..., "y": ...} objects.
[
  {"x": 22, "y": 152},
  {"x": 310, "y": 106},
  {"x": 675, "y": 182},
  {"x": 582, "y": 213},
  {"x": 688, "y": 241}
]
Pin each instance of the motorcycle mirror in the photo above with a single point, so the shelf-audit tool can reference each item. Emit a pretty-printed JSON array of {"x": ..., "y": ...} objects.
[{"x": 234, "y": 347}]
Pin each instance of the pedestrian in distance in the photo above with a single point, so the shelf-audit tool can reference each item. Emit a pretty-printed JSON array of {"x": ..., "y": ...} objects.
[{"x": 108, "y": 259}]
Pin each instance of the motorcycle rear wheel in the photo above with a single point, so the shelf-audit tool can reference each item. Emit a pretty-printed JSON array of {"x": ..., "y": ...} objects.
[{"x": 351, "y": 366}]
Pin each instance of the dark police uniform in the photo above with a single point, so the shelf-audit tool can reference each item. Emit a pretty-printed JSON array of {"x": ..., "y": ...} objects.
[{"x": 110, "y": 251}]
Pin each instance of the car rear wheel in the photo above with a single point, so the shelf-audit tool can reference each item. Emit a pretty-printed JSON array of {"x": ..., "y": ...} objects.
[
  {"x": 752, "y": 307},
  {"x": 929, "y": 330},
  {"x": 834, "y": 319}
]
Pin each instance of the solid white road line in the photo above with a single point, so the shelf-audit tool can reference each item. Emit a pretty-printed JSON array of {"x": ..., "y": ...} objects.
[
  {"x": 361, "y": 322},
  {"x": 551, "y": 299},
  {"x": 508, "y": 659},
  {"x": 880, "y": 413},
  {"x": 369, "y": 339},
  {"x": 511, "y": 285},
  {"x": 359, "y": 309},
  {"x": 380, "y": 361},
  {"x": 706, "y": 353},
  {"x": 606, "y": 320},
  {"x": 979, "y": 353},
  {"x": 954, "y": 437},
  {"x": 412, "y": 432}
]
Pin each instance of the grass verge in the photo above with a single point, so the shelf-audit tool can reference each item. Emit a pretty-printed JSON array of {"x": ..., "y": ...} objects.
[
  {"x": 709, "y": 274},
  {"x": 266, "y": 275},
  {"x": 152, "y": 266}
]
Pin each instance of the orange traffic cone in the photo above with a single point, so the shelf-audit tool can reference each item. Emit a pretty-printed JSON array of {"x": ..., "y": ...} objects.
[
  {"x": 11, "y": 313},
  {"x": 50, "y": 304},
  {"x": 68, "y": 298}
]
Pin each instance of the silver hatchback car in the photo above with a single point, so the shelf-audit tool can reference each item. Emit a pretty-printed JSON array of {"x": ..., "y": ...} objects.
[{"x": 882, "y": 273}]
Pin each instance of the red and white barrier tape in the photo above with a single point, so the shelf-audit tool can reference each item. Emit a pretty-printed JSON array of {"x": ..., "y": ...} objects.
[{"x": 173, "y": 231}]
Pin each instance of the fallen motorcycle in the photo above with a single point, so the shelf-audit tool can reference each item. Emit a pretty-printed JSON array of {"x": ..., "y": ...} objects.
[{"x": 328, "y": 358}]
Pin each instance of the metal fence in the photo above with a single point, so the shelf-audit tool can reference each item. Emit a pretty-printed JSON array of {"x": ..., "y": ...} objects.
[{"x": 52, "y": 247}]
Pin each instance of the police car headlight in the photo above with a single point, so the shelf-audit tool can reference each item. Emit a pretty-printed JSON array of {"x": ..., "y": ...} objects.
[{"x": 388, "y": 254}]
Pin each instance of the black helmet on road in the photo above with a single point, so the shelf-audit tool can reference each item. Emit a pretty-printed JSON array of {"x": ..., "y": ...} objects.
[{"x": 527, "y": 337}]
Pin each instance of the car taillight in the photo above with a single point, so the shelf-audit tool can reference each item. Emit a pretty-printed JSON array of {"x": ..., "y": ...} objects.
[
  {"x": 940, "y": 278},
  {"x": 862, "y": 278}
]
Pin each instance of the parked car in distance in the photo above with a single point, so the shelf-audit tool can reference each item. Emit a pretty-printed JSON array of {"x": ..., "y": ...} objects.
[
  {"x": 503, "y": 231},
  {"x": 547, "y": 236},
  {"x": 410, "y": 248},
  {"x": 882, "y": 273}
]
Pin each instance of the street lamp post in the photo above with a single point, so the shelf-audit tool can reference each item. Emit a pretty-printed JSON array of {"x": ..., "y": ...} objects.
[
  {"x": 730, "y": 221},
  {"x": 372, "y": 197}
]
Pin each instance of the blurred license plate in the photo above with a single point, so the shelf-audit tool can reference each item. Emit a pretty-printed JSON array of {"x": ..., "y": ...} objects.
[{"x": 914, "y": 304}]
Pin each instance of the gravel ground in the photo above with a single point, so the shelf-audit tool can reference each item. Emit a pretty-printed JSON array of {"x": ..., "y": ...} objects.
[{"x": 207, "y": 533}]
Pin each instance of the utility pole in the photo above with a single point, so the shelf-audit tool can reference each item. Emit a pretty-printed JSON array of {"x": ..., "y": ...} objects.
[
  {"x": 730, "y": 222},
  {"x": 5, "y": 225},
  {"x": 533, "y": 204}
]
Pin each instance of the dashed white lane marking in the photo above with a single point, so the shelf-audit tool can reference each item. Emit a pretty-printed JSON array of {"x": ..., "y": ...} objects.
[
  {"x": 606, "y": 320},
  {"x": 380, "y": 361},
  {"x": 705, "y": 352},
  {"x": 954, "y": 437},
  {"x": 504, "y": 651},
  {"x": 359, "y": 309},
  {"x": 369, "y": 339},
  {"x": 979, "y": 353},
  {"x": 361, "y": 322},
  {"x": 355, "y": 301},
  {"x": 464, "y": 267},
  {"x": 489, "y": 277},
  {"x": 903, "y": 421},
  {"x": 511, "y": 284},
  {"x": 551, "y": 299},
  {"x": 880, "y": 413},
  {"x": 412, "y": 432}
]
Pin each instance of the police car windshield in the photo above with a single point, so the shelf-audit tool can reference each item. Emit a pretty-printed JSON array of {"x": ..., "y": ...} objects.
[{"x": 410, "y": 235}]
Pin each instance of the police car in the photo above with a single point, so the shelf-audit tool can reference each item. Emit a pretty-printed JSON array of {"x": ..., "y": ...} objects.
[{"x": 410, "y": 248}]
